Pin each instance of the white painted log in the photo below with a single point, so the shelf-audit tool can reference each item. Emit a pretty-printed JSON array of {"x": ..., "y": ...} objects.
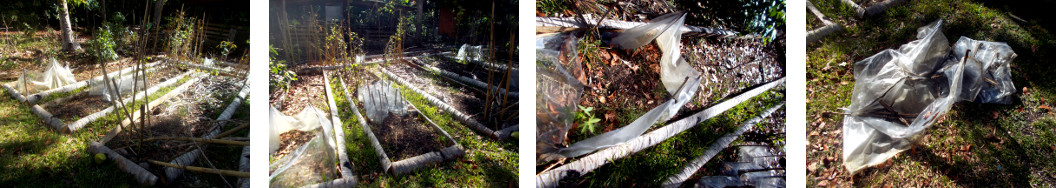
[
  {"x": 142, "y": 175},
  {"x": 339, "y": 131},
  {"x": 466, "y": 80},
  {"x": 557, "y": 24}
]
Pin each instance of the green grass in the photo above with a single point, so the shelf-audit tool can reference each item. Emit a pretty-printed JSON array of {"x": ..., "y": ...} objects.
[
  {"x": 487, "y": 163},
  {"x": 1010, "y": 144},
  {"x": 650, "y": 167}
]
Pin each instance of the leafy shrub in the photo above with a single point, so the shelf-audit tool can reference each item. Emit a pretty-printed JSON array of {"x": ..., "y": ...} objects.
[
  {"x": 280, "y": 76},
  {"x": 102, "y": 45},
  {"x": 182, "y": 30}
]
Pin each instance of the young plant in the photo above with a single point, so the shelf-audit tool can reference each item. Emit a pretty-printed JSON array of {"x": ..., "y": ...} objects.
[
  {"x": 588, "y": 120},
  {"x": 280, "y": 76},
  {"x": 226, "y": 47}
]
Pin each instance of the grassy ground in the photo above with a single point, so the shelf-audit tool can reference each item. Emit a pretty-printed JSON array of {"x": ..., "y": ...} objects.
[
  {"x": 977, "y": 144},
  {"x": 487, "y": 163}
]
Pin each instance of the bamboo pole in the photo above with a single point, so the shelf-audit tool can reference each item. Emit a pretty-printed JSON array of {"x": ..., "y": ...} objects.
[
  {"x": 202, "y": 140},
  {"x": 231, "y": 173}
]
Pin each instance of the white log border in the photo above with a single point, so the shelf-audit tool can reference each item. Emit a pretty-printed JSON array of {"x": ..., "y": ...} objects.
[
  {"x": 142, "y": 175},
  {"x": 559, "y": 24},
  {"x": 339, "y": 132},
  {"x": 714, "y": 149},
  {"x": 463, "y": 79},
  {"x": 819, "y": 33},
  {"x": 593, "y": 161}
]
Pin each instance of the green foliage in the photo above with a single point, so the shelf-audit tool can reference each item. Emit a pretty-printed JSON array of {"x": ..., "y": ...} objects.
[
  {"x": 588, "y": 122},
  {"x": 226, "y": 47},
  {"x": 101, "y": 47},
  {"x": 182, "y": 30},
  {"x": 122, "y": 35},
  {"x": 28, "y": 31},
  {"x": 280, "y": 76}
]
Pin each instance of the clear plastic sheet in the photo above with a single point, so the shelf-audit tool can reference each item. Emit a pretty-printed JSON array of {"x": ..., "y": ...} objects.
[
  {"x": 472, "y": 53},
  {"x": 55, "y": 76},
  {"x": 124, "y": 85},
  {"x": 987, "y": 77},
  {"x": 380, "y": 100},
  {"x": 679, "y": 79},
  {"x": 719, "y": 182},
  {"x": 312, "y": 163},
  {"x": 898, "y": 94},
  {"x": 310, "y": 118},
  {"x": 558, "y": 93}
]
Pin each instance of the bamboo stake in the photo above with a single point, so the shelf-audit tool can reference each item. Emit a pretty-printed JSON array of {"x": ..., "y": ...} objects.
[
  {"x": 231, "y": 173},
  {"x": 202, "y": 140}
]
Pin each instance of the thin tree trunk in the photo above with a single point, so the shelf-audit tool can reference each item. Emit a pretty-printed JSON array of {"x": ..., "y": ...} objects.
[{"x": 69, "y": 43}]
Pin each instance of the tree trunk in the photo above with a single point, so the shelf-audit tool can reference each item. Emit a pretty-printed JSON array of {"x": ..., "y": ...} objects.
[
  {"x": 69, "y": 43},
  {"x": 157, "y": 12}
]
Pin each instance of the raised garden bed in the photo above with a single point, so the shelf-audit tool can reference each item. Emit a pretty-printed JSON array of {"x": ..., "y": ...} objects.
[
  {"x": 413, "y": 140},
  {"x": 177, "y": 116}
]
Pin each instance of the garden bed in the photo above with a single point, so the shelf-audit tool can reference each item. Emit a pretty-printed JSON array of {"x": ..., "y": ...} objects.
[
  {"x": 187, "y": 114},
  {"x": 413, "y": 140},
  {"x": 82, "y": 104}
]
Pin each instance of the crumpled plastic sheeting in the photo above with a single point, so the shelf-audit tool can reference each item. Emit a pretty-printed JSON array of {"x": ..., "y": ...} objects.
[
  {"x": 898, "y": 94},
  {"x": 558, "y": 93},
  {"x": 312, "y": 163},
  {"x": 473, "y": 53},
  {"x": 124, "y": 85},
  {"x": 987, "y": 77},
  {"x": 679, "y": 78},
  {"x": 55, "y": 76},
  {"x": 310, "y": 118},
  {"x": 380, "y": 100}
]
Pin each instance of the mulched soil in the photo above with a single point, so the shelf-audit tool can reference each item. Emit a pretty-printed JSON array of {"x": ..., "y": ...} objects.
[
  {"x": 308, "y": 89},
  {"x": 291, "y": 140},
  {"x": 407, "y": 136},
  {"x": 623, "y": 84}
]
